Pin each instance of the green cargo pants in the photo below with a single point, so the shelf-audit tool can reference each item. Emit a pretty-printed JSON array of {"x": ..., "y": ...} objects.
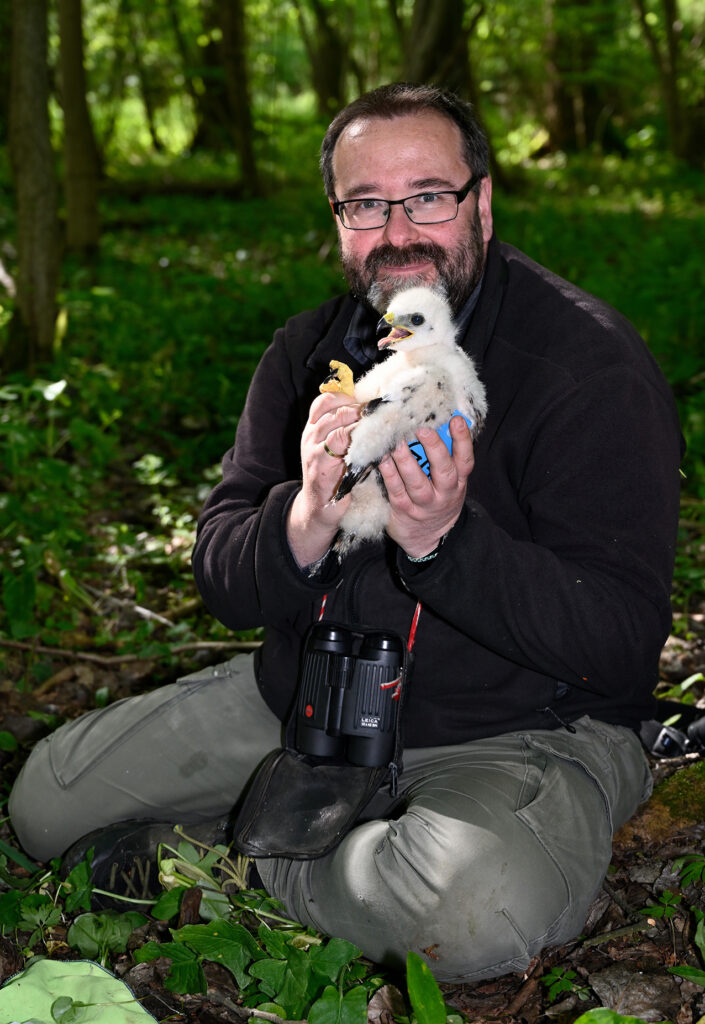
[{"x": 492, "y": 850}]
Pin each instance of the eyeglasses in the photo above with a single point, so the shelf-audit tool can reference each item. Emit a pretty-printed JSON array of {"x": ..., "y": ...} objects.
[{"x": 423, "y": 208}]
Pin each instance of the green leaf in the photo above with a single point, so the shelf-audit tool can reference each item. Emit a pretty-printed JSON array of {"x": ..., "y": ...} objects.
[
  {"x": 228, "y": 944},
  {"x": 186, "y": 978},
  {"x": 274, "y": 942},
  {"x": 95, "y": 934},
  {"x": 18, "y": 597},
  {"x": 17, "y": 856},
  {"x": 10, "y": 909},
  {"x": 78, "y": 885},
  {"x": 693, "y": 974},
  {"x": 330, "y": 959},
  {"x": 424, "y": 993},
  {"x": 169, "y": 903},
  {"x": 8, "y": 741},
  {"x": 699, "y": 937},
  {"x": 334, "y": 1008},
  {"x": 272, "y": 1008},
  {"x": 65, "y": 1010},
  {"x": 603, "y": 1016},
  {"x": 185, "y": 975},
  {"x": 271, "y": 973}
]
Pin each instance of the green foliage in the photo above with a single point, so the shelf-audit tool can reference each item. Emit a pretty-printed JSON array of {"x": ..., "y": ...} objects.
[
  {"x": 96, "y": 935},
  {"x": 604, "y": 1016},
  {"x": 560, "y": 980},
  {"x": 424, "y": 993},
  {"x": 668, "y": 905},
  {"x": 111, "y": 452}
]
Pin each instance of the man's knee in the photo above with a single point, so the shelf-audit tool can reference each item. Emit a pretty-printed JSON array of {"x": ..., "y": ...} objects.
[
  {"x": 35, "y": 802},
  {"x": 477, "y": 905}
]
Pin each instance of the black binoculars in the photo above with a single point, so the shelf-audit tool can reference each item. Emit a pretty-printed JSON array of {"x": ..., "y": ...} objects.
[{"x": 347, "y": 702}]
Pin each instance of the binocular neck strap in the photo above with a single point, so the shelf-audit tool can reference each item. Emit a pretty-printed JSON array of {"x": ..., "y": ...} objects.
[{"x": 412, "y": 628}]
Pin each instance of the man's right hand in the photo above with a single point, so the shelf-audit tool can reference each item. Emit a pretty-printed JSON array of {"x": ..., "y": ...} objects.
[{"x": 313, "y": 521}]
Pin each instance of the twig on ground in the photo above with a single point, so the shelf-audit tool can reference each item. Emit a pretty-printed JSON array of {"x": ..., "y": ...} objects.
[
  {"x": 628, "y": 929},
  {"x": 110, "y": 660}
]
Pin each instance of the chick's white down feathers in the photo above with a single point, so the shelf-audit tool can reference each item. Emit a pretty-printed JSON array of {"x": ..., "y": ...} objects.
[{"x": 423, "y": 382}]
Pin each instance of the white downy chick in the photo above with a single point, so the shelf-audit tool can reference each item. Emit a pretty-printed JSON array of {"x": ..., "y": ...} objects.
[{"x": 426, "y": 379}]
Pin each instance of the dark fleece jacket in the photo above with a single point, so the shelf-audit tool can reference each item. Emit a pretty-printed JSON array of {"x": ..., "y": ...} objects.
[{"x": 550, "y": 596}]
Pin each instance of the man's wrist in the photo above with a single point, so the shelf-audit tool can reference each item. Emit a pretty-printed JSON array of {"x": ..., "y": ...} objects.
[{"x": 429, "y": 556}]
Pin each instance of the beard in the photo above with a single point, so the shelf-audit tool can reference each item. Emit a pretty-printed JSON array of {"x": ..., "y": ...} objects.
[{"x": 458, "y": 269}]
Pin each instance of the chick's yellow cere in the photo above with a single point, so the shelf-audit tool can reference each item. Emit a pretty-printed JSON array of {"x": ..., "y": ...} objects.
[{"x": 340, "y": 380}]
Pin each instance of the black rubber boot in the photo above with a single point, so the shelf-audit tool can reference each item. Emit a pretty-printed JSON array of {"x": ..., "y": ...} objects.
[{"x": 124, "y": 861}]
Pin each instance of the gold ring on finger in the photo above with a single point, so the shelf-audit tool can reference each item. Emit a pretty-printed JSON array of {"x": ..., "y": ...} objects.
[{"x": 329, "y": 452}]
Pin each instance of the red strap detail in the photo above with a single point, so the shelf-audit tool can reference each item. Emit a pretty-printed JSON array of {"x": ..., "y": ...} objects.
[
  {"x": 414, "y": 625},
  {"x": 414, "y": 621}
]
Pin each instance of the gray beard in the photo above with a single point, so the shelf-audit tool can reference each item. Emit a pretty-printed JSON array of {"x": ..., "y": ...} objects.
[{"x": 458, "y": 270}]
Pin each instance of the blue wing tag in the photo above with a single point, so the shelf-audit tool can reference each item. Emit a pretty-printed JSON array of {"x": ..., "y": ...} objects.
[{"x": 417, "y": 449}]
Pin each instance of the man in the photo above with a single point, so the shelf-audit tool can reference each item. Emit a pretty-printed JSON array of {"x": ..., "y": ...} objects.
[{"x": 541, "y": 559}]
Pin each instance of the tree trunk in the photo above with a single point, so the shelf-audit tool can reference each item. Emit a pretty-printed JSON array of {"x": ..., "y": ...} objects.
[
  {"x": 685, "y": 122},
  {"x": 82, "y": 164},
  {"x": 32, "y": 326},
  {"x": 436, "y": 49},
  {"x": 237, "y": 84},
  {"x": 328, "y": 55},
  {"x": 5, "y": 58}
]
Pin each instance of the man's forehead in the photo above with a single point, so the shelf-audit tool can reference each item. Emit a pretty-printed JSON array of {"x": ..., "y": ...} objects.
[
  {"x": 367, "y": 127},
  {"x": 426, "y": 136}
]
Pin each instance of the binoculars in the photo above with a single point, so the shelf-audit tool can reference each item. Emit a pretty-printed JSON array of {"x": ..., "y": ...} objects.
[{"x": 347, "y": 702}]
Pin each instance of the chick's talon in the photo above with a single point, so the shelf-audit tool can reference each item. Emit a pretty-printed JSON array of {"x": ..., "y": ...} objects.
[{"x": 340, "y": 380}]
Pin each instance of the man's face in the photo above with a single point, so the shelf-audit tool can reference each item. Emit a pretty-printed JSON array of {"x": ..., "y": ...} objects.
[{"x": 392, "y": 159}]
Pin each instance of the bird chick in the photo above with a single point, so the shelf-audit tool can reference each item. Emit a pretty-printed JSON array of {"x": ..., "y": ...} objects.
[
  {"x": 340, "y": 380},
  {"x": 423, "y": 383}
]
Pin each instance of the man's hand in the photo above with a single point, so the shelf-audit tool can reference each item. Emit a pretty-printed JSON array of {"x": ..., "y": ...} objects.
[
  {"x": 424, "y": 509},
  {"x": 313, "y": 521}
]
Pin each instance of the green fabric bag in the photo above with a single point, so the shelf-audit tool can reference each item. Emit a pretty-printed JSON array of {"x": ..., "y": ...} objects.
[{"x": 74, "y": 992}]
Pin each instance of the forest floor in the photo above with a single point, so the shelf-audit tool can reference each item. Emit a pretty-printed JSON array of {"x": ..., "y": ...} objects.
[{"x": 643, "y": 923}]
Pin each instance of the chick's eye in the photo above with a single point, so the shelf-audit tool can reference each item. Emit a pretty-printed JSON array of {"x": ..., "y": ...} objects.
[{"x": 417, "y": 319}]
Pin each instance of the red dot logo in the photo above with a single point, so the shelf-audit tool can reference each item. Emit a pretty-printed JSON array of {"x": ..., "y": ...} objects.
[{"x": 308, "y": 710}]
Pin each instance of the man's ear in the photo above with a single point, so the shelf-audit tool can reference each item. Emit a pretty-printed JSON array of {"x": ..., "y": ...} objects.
[{"x": 484, "y": 206}]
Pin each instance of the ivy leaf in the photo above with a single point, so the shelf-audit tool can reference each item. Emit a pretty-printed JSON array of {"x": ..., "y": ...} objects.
[
  {"x": 329, "y": 960},
  {"x": 78, "y": 884},
  {"x": 334, "y": 1008},
  {"x": 424, "y": 993},
  {"x": 228, "y": 944},
  {"x": 169, "y": 903},
  {"x": 273, "y": 941},
  {"x": 109, "y": 931},
  {"x": 187, "y": 978},
  {"x": 270, "y": 973},
  {"x": 10, "y": 909},
  {"x": 185, "y": 975}
]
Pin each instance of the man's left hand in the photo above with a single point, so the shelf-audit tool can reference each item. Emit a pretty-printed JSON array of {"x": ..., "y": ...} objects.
[{"x": 424, "y": 509}]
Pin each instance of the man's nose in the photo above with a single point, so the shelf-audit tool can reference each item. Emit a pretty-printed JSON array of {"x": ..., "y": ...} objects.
[{"x": 399, "y": 230}]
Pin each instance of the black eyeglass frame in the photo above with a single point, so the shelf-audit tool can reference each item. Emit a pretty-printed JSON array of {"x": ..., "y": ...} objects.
[{"x": 460, "y": 195}]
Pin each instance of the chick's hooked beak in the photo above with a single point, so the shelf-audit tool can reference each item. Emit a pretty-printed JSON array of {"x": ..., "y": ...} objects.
[{"x": 397, "y": 333}]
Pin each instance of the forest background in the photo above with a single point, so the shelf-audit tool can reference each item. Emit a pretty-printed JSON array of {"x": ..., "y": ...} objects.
[{"x": 161, "y": 213}]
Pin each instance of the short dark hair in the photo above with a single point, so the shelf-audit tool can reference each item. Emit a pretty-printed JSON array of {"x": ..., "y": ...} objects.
[{"x": 402, "y": 98}]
